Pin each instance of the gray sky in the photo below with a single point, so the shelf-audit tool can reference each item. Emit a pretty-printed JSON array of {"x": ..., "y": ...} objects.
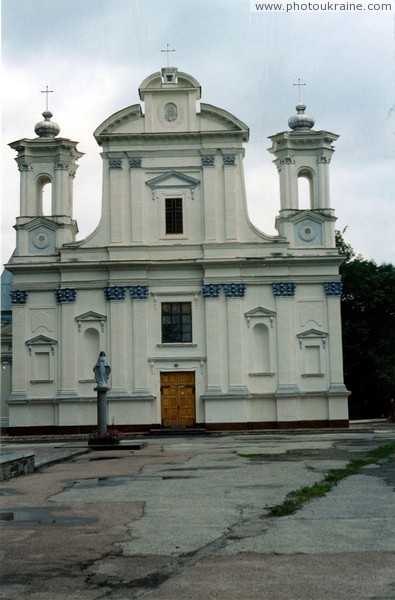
[{"x": 95, "y": 53}]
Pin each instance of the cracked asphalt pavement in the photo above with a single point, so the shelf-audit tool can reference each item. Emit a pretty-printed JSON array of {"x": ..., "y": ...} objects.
[{"x": 188, "y": 518}]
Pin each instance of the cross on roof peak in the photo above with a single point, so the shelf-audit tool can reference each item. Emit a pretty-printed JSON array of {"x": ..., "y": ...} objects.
[{"x": 167, "y": 52}]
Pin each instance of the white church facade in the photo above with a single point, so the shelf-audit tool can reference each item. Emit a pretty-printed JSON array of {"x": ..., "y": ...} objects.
[{"x": 205, "y": 320}]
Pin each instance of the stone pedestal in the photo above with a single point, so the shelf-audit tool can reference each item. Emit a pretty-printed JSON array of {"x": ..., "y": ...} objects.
[{"x": 102, "y": 409}]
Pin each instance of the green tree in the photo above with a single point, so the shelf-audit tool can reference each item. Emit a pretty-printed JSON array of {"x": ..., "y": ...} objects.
[{"x": 368, "y": 322}]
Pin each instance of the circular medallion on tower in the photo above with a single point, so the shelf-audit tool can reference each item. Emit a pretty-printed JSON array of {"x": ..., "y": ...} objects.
[
  {"x": 41, "y": 240},
  {"x": 170, "y": 112},
  {"x": 307, "y": 232},
  {"x": 301, "y": 121},
  {"x": 47, "y": 128}
]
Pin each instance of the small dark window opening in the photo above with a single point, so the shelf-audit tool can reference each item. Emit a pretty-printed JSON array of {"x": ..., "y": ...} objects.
[
  {"x": 174, "y": 222},
  {"x": 176, "y": 322}
]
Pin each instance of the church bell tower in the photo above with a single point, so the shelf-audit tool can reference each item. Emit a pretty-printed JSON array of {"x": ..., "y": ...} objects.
[
  {"x": 48, "y": 163},
  {"x": 304, "y": 153}
]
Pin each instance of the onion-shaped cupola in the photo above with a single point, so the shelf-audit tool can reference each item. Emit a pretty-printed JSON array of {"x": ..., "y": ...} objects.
[
  {"x": 47, "y": 128},
  {"x": 301, "y": 121}
]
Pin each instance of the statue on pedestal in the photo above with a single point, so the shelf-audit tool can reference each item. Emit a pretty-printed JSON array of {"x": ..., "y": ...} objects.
[{"x": 102, "y": 371}]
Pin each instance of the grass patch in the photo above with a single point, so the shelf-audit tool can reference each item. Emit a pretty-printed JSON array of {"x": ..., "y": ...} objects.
[{"x": 298, "y": 498}]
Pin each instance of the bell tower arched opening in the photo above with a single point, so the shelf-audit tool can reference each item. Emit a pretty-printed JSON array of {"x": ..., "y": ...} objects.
[
  {"x": 305, "y": 189},
  {"x": 44, "y": 196}
]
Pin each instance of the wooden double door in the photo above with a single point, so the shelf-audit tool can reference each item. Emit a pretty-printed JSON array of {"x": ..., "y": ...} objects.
[{"x": 178, "y": 399}]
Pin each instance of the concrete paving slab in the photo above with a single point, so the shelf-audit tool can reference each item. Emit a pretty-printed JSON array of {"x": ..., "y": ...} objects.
[{"x": 188, "y": 519}]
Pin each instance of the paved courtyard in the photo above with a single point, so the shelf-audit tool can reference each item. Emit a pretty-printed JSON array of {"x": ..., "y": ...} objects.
[{"x": 188, "y": 518}]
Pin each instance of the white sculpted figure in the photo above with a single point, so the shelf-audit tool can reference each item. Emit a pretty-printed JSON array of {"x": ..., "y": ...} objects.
[{"x": 102, "y": 370}]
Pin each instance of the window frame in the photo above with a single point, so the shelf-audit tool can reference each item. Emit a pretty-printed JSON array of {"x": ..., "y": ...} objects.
[
  {"x": 176, "y": 317},
  {"x": 174, "y": 212}
]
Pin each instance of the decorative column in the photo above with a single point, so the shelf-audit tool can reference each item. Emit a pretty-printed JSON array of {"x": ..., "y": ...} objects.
[
  {"x": 284, "y": 293},
  {"x": 288, "y": 185},
  {"x": 139, "y": 295},
  {"x": 323, "y": 199},
  {"x": 66, "y": 297},
  {"x": 115, "y": 295},
  {"x": 60, "y": 198},
  {"x": 211, "y": 293},
  {"x": 209, "y": 197},
  {"x": 19, "y": 372},
  {"x": 28, "y": 204},
  {"x": 230, "y": 200},
  {"x": 234, "y": 292}
]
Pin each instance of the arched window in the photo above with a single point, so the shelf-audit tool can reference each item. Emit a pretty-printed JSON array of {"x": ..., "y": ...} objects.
[
  {"x": 305, "y": 189},
  {"x": 44, "y": 196}
]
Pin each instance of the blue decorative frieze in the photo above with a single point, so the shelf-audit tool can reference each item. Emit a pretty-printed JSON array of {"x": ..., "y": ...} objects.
[
  {"x": 139, "y": 292},
  {"x": 115, "y": 163},
  {"x": 229, "y": 160},
  {"x": 208, "y": 160},
  {"x": 135, "y": 162},
  {"x": 211, "y": 290},
  {"x": 115, "y": 292},
  {"x": 284, "y": 288},
  {"x": 65, "y": 295},
  {"x": 333, "y": 288},
  {"x": 234, "y": 290},
  {"x": 18, "y": 297}
]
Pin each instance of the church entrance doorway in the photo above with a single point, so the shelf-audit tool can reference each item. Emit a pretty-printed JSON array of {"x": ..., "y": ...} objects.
[{"x": 178, "y": 399}]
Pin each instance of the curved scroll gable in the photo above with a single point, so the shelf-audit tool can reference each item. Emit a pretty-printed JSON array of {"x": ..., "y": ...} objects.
[
  {"x": 117, "y": 122},
  {"x": 226, "y": 119}
]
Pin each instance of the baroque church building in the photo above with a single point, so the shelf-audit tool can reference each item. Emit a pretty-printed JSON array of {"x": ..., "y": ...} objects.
[{"x": 205, "y": 320}]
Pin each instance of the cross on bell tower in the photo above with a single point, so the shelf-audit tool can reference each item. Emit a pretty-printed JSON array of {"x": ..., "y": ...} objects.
[
  {"x": 167, "y": 51},
  {"x": 46, "y": 91},
  {"x": 299, "y": 85}
]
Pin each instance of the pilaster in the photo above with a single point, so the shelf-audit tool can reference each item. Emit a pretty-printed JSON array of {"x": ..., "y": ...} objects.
[
  {"x": 333, "y": 291},
  {"x": 115, "y": 296},
  {"x": 66, "y": 298},
  {"x": 116, "y": 196},
  {"x": 19, "y": 372},
  {"x": 211, "y": 293},
  {"x": 285, "y": 309},
  {"x": 234, "y": 293},
  {"x": 139, "y": 294},
  {"x": 136, "y": 194},
  {"x": 209, "y": 196},
  {"x": 230, "y": 199}
]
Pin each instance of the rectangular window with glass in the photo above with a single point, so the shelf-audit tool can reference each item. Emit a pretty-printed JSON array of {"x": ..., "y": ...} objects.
[
  {"x": 174, "y": 218},
  {"x": 176, "y": 322}
]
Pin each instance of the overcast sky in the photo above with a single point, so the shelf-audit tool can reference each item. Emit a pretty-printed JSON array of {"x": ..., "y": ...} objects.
[{"x": 95, "y": 53}]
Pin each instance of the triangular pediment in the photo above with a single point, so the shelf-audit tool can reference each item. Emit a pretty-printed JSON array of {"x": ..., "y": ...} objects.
[
  {"x": 172, "y": 179},
  {"x": 40, "y": 221},
  {"x": 307, "y": 215},
  {"x": 40, "y": 340},
  {"x": 91, "y": 316},
  {"x": 312, "y": 333},
  {"x": 260, "y": 312}
]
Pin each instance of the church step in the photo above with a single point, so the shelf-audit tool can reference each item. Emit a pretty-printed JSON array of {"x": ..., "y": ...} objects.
[{"x": 165, "y": 431}]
